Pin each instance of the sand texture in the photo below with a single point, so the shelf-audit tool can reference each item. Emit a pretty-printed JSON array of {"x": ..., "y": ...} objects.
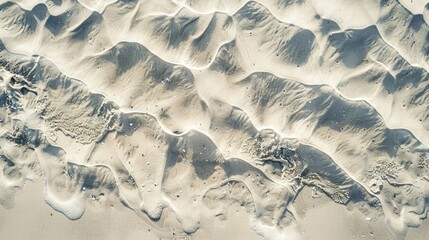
[{"x": 214, "y": 119}]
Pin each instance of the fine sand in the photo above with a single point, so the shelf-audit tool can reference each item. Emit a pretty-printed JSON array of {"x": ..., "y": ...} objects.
[{"x": 214, "y": 119}]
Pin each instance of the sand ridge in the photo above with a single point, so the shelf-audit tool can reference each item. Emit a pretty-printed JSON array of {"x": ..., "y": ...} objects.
[{"x": 188, "y": 112}]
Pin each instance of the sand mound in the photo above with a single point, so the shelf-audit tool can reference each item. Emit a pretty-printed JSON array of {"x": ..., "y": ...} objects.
[{"x": 220, "y": 119}]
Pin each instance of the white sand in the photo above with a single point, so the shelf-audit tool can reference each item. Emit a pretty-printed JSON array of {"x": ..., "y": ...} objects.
[
  {"x": 199, "y": 119},
  {"x": 31, "y": 218}
]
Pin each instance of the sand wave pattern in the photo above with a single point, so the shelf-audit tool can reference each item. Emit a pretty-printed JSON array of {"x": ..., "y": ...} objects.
[{"x": 189, "y": 112}]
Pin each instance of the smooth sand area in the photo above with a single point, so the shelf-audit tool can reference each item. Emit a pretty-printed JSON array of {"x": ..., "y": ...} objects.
[{"x": 32, "y": 218}]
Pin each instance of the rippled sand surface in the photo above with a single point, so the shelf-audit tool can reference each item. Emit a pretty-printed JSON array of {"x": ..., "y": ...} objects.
[{"x": 214, "y": 119}]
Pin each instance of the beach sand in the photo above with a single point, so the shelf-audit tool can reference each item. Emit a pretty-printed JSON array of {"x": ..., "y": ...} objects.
[{"x": 220, "y": 119}]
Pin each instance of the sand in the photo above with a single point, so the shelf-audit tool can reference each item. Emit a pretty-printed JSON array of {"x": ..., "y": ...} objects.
[
  {"x": 195, "y": 119},
  {"x": 32, "y": 218}
]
